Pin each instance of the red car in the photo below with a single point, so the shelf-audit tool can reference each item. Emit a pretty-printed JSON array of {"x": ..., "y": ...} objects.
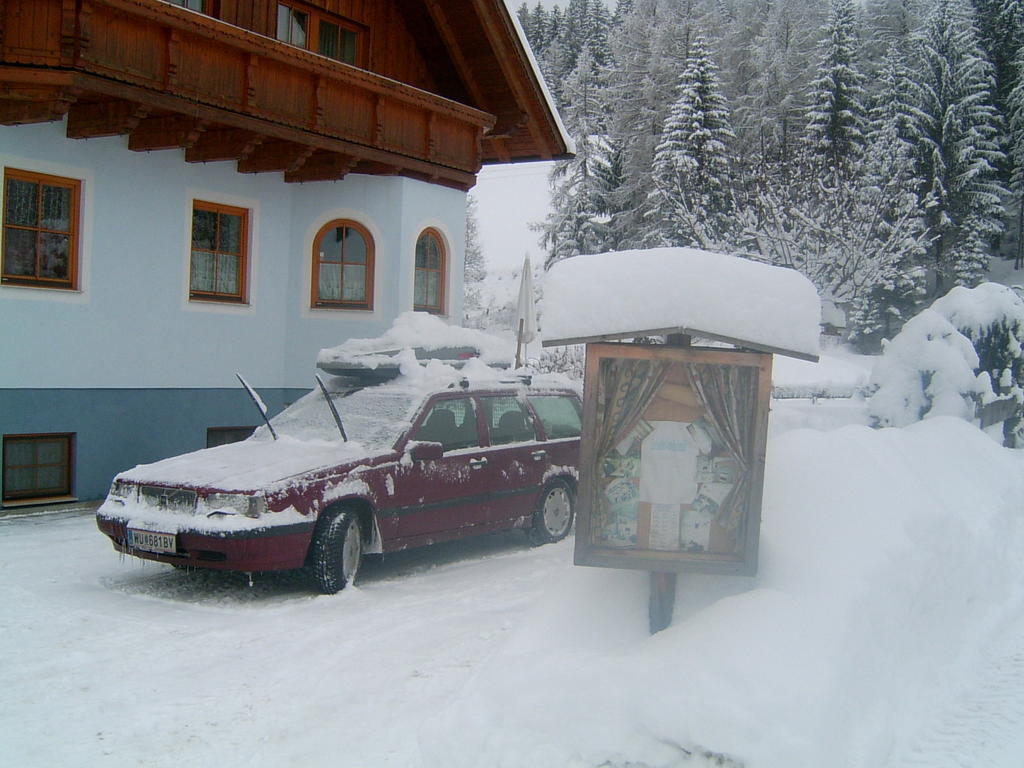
[{"x": 419, "y": 464}]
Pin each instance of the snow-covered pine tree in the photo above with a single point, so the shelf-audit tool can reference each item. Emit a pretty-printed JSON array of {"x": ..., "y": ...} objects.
[
  {"x": 691, "y": 201},
  {"x": 577, "y": 222},
  {"x": 768, "y": 57},
  {"x": 888, "y": 22},
  {"x": 837, "y": 116},
  {"x": 1015, "y": 107},
  {"x": 958, "y": 138},
  {"x": 893, "y": 291},
  {"x": 1001, "y": 33},
  {"x": 474, "y": 268}
]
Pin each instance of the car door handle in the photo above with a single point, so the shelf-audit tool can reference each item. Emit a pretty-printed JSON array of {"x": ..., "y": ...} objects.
[
  {"x": 477, "y": 463},
  {"x": 539, "y": 455}
]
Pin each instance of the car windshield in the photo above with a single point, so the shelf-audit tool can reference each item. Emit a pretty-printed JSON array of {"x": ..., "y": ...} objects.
[{"x": 375, "y": 416}]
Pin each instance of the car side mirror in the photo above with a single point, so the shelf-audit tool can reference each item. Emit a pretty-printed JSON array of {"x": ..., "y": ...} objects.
[{"x": 426, "y": 451}]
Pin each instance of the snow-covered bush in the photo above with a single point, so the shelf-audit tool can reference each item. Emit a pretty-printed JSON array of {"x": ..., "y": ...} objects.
[
  {"x": 958, "y": 353},
  {"x": 992, "y": 317},
  {"x": 928, "y": 369}
]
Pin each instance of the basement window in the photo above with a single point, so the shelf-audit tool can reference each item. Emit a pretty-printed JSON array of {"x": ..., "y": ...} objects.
[{"x": 37, "y": 466}]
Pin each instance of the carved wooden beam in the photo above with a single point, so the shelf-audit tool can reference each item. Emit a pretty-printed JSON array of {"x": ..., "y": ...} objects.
[
  {"x": 17, "y": 112},
  {"x": 222, "y": 144},
  {"x": 376, "y": 169},
  {"x": 167, "y": 132},
  {"x": 275, "y": 156},
  {"x": 104, "y": 118},
  {"x": 322, "y": 166}
]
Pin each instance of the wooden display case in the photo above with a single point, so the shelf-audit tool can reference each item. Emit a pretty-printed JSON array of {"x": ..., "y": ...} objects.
[{"x": 672, "y": 458}]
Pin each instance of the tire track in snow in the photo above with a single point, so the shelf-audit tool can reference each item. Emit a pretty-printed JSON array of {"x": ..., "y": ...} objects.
[{"x": 984, "y": 727}]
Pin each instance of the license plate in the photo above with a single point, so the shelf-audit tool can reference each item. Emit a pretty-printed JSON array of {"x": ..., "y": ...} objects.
[{"x": 152, "y": 541}]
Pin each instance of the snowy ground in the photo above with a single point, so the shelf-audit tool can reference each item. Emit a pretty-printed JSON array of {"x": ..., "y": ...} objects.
[{"x": 885, "y": 630}]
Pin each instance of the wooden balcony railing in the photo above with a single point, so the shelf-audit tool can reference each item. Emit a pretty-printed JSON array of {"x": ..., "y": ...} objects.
[{"x": 169, "y": 78}]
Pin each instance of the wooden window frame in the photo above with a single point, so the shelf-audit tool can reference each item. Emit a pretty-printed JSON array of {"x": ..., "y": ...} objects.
[
  {"x": 315, "y": 301},
  {"x": 316, "y": 16},
  {"x": 242, "y": 295},
  {"x": 69, "y": 456},
  {"x": 204, "y": 5},
  {"x": 44, "y": 179},
  {"x": 442, "y": 273}
]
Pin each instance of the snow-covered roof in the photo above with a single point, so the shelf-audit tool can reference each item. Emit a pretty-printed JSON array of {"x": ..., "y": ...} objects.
[{"x": 681, "y": 290}]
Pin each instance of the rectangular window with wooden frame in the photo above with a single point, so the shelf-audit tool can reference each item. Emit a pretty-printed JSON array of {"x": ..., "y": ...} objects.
[
  {"x": 40, "y": 230},
  {"x": 331, "y": 36},
  {"x": 219, "y": 260},
  {"x": 37, "y": 466},
  {"x": 192, "y": 5}
]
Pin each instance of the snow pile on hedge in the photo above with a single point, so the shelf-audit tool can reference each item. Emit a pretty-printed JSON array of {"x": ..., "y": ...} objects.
[
  {"x": 885, "y": 555},
  {"x": 951, "y": 357},
  {"x": 927, "y": 370}
]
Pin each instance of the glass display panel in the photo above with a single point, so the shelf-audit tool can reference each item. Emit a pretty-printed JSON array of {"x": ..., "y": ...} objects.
[
  {"x": 355, "y": 247},
  {"x": 22, "y": 200},
  {"x": 202, "y": 270},
  {"x": 56, "y": 208},
  {"x": 354, "y": 282},
  {"x": 330, "y": 282},
  {"x": 19, "y": 252},
  {"x": 54, "y": 255},
  {"x": 560, "y": 416}
]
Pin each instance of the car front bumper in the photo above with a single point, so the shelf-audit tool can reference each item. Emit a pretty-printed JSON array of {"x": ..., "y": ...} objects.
[{"x": 274, "y": 548}]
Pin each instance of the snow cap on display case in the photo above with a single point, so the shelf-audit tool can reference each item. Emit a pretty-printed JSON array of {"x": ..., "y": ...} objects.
[{"x": 660, "y": 291}]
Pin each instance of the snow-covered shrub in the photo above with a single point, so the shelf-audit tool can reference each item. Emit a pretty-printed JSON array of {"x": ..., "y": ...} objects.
[
  {"x": 992, "y": 317},
  {"x": 928, "y": 369}
]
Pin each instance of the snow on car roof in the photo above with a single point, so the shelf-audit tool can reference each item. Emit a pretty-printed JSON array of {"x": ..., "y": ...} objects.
[{"x": 418, "y": 331}]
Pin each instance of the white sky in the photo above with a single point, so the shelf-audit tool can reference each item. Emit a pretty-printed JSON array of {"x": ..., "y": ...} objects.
[{"x": 509, "y": 199}]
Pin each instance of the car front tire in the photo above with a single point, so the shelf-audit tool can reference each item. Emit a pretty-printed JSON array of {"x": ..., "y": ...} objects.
[
  {"x": 553, "y": 517},
  {"x": 336, "y": 551}
]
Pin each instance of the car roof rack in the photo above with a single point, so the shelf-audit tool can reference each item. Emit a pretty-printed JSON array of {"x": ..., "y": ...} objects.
[
  {"x": 367, "y": 368},
  {"x": 520, "y": 378}
]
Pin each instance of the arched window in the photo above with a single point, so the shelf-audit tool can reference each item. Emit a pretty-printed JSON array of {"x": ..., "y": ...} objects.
[
  {"x": 343, "y": 266},
  {"x": 428, "y": 287}
]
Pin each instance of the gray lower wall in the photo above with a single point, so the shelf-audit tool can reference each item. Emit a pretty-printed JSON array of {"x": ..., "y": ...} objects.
[{"x": 115, "y": 429}]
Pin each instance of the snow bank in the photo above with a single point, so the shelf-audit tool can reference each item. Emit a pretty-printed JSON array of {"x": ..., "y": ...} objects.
[
  {"x": 886, "y": 555},
  {"x": 648, "y": 290}
]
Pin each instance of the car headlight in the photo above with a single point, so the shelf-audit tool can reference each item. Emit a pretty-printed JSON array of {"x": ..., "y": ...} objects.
[
  {"x": 250, "y": 505},
  {"x": 122, "y": 491}
]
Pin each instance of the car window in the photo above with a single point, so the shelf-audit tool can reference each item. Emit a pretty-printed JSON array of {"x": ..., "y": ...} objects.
[
  {"x": 507, "y": 420},
  {"x": 559, "y": 414},
  {"x": 375, "y": 416},
  {"x": 452, "y": 423}
]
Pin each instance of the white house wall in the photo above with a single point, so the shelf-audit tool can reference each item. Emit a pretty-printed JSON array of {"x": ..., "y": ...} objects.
[{"x": 130, "y": 335}]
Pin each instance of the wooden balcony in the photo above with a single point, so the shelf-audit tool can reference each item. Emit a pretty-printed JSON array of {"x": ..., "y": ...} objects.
[{"x": 170, "y": 78}]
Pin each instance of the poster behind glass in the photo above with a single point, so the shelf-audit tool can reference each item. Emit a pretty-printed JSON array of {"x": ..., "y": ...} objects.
[{"x": 673, "y": 458}]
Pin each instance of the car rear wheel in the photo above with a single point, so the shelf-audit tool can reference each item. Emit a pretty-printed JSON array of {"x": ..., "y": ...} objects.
[
  {"x": 336, "y": 551},
  {"x": 553, "y": 516}
]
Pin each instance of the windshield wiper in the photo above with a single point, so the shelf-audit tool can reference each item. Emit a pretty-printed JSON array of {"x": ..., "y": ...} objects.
[
  {"x": 258, "y": 402},
  {"x": 330, "y": 404}
]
